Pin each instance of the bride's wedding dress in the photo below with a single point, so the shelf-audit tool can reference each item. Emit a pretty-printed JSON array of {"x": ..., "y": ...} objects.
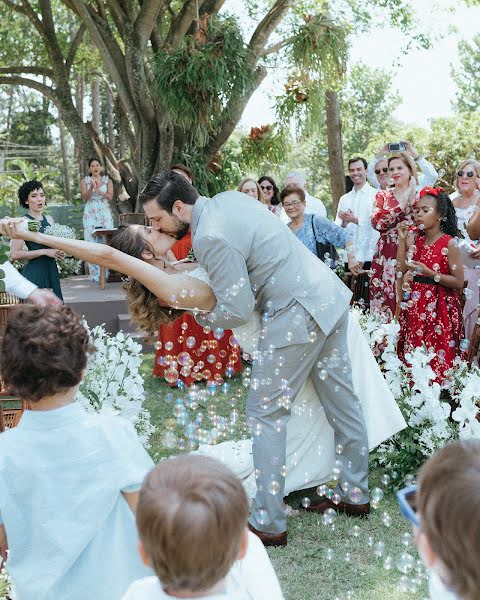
[{"x": 310, "y": 443}]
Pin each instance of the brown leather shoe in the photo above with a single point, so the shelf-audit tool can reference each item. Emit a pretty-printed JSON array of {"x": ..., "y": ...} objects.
[
  {"x": 270, "y": 539},
  {"x": 351, "y": 510}
]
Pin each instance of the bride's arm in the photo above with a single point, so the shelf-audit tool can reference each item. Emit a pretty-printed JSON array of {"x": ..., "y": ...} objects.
[{"x": 176, "y": 290}]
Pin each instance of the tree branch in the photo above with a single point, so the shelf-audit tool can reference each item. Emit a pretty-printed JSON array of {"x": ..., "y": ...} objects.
[
  {"x": 147, "y": 19},
  {"x": 105, "y": 50},
  {"x": 276, "y": 47},
  {"x": 77, "y": 40},
  {"x": 234, "y": 111},
  {"x": 31, "y": 83},
  {"x": 31, "y": 70},
  {"x": 211, "y": 7},
  {"x": 264, "y": 29},
  {"x": 181, "y": 23}
]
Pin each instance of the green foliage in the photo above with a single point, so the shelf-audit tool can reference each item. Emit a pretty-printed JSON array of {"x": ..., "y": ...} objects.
[
  {"x": 195, "y": 80},
  {"x": 10, "y": 182},
  {"x": 31, "y": 127},
  {"x": 265, "y": 148},
  {"x": 366, "y": 104},
  {"x": 466, "y": 76}
]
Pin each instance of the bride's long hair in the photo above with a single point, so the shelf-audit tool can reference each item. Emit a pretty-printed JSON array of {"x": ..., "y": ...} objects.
[{"x": 144, "y": 307}]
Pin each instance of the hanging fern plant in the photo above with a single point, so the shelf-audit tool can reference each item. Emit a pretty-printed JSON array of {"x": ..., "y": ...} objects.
[{"x": 195, "y": 80}]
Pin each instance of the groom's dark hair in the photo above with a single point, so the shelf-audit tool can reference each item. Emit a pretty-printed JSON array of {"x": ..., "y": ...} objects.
[{"x": 166, "y": 188}]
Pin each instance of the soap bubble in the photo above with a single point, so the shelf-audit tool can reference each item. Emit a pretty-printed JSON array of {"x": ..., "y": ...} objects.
[
  {"x": 273, "y": 487},
  {"x": 405, "y": 563},
  {"x": 379, "y": 549},
  {"x": 355, "y": 495},
  {"x": 306, "y": 502}
]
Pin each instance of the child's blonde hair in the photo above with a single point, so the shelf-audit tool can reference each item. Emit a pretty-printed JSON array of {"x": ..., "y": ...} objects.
[
  {"x": 448, "y": 502},
  {"x": 191, "y": 517}
]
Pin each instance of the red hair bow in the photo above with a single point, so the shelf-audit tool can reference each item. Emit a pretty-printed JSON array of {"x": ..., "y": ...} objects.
[{"x": 431, "y": 191}]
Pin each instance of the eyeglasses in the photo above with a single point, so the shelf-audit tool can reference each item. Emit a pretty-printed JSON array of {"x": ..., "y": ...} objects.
[
  {"x": 466, "y": 173},
  {"x": 267, "y": 187},
  {"x": 378, "y": 171},
  {"x": 291, "y": 204},
  {"x": 408, "y": 506}
]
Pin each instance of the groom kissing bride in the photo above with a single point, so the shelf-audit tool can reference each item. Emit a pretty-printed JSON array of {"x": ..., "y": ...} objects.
[{"x": 254, "y": 262}]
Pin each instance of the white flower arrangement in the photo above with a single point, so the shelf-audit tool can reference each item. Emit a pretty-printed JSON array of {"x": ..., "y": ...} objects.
[
  {"x": 431, "y": 422},
  {"x": 68, "y": 265},
  {"x": 113, "y": 384},
  {"x": 5, "y": 584}
]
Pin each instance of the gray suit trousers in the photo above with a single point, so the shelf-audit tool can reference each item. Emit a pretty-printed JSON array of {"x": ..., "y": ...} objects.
[{"x": 277, "y": 376}]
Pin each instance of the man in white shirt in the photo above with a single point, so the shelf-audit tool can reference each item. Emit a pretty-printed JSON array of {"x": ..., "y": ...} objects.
[
  {"x": 25, "y": 290},
  {"x": 378, "y": 175},
  {"x": 354, "y": 213},
  {"x": 313, "y": 205}
]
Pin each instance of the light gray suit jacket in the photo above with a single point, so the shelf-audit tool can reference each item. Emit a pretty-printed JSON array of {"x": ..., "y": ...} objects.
[{"x": 255, "y": 262}]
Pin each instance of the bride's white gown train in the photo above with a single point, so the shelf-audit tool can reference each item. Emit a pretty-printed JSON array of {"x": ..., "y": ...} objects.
[{"x": 310, "y": 444}]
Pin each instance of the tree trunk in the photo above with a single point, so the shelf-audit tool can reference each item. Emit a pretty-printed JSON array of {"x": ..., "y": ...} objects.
[
  {"x": 96, "y": 104},
  {"x": 66, "y": 173},
  {"x": 110, "y": 130},
  {"x": 335, "y": 154}
]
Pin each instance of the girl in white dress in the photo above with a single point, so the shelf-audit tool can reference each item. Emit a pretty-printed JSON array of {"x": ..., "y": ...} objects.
[{"x": 158, "y": 284}]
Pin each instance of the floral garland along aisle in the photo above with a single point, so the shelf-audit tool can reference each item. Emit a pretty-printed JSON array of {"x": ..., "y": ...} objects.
[{"x": 434, "y": 417}]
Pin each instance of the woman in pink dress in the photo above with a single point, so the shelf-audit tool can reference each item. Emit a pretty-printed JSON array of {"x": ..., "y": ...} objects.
[{"x": 392, "y": 206}]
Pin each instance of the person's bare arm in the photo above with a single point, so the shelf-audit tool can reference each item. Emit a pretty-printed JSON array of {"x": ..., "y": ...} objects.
[
  {"x": 3, "y": 543},
  {"x": 86, "y": 192},
  {"x": 473, "y": 226},
  {"x": 108, "y": 195},
  {"x": 177, "y": 290},
  {"x": 16, "y": 252}
]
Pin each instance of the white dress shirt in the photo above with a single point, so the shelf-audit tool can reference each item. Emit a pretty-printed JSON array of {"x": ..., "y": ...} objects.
[
  {"x": 313, "y": 206},
  {"x": 364, "y": 236},
  {"x": 428, "y": 176},
  {"x": 16, "y": 283}
]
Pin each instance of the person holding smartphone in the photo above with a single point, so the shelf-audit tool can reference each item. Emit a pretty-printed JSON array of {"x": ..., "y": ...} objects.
[{"x": 378, "y": 175}]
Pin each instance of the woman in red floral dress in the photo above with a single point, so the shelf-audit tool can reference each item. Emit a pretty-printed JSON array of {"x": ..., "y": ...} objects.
[
  {"x": 392, "y": 206},
  {"x": 430, "y": 313},
  {"x": 186, "y": 352}
]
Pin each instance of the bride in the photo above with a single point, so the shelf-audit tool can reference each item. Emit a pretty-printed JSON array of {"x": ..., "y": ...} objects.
[{"x": 157, "y": 292}]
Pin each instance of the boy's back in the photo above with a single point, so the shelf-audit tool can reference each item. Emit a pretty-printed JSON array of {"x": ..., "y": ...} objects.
[{"x": 71, "y": 533}]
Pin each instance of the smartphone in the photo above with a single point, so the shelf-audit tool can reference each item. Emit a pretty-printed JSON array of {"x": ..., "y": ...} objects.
[{"x": 397, "y": 147}]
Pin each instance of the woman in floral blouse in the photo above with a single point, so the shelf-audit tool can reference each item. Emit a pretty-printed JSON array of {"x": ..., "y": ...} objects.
[
  {"x": 392, "y": 206},
  {"x": 312, "y": 228}
]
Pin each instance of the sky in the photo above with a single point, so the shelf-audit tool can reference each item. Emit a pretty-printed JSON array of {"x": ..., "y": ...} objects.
[{"x": 422, "y": 77}]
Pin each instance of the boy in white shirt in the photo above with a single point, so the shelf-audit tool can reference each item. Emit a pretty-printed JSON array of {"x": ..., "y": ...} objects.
[{"x": 191, "y": 517}]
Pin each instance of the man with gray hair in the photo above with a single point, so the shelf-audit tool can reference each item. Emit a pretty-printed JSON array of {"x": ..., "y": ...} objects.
[{"x": 314, "y": 205}]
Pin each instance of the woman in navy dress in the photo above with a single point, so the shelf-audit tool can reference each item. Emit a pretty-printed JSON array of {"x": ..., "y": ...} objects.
[{"x": 41, "y": 268}]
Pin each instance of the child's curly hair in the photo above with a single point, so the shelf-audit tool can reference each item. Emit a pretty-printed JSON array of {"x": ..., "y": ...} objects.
[{"x": 43, "y": 351}]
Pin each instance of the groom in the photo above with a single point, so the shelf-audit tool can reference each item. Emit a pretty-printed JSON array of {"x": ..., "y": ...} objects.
[{"x": 256, "y": 263}]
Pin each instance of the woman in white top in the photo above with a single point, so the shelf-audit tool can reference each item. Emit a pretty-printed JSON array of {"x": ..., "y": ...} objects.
[
  {"x": 97, "y": 192},
  {"x": 466, "y": 204},
  {"x": 159, "y": 284}
]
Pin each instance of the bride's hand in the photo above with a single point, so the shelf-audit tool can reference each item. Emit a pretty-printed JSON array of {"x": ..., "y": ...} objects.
[{"x": 16, "y": 228}]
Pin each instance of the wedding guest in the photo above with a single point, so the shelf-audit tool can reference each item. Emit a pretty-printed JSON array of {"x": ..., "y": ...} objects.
[
  {"x": 354, "y": 213},
  {"x": 41, "y": 268},
  {"x": 17, "y": 285},
  {"x": 68, "y": 479},
  {"x": 184, "y": 171},
  {"x": 430, "y": 313},
  {"x": 312, "y": 229},
  {"x": 250, "y": 187},
  {"x": 445, "y": 512},
  {"x": 391, "y": 207},
  {"x": 378, "y": 174},
  {"x": 312, "y": 205},
  {"x": 466, "y": 204},
  {"x": 97, "y": 192},
  {"x": 192, "y": 522},
  {"x": 271, "y": 194}
]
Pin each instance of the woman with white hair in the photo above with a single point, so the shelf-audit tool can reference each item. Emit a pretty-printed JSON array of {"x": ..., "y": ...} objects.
[{"x": 467, "y": 203}]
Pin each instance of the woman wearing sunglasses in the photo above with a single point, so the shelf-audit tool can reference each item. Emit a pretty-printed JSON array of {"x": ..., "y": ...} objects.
[
  {"x": 271, "y": 194},
  {"x": 466, "y": 204}
]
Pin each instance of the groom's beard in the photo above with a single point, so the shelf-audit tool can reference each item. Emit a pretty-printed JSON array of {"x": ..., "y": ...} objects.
[{"x": 182, "y": 229}]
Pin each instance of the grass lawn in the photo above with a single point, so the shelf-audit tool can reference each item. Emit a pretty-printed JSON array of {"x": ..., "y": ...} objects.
[{"x": 320, "y": 562}]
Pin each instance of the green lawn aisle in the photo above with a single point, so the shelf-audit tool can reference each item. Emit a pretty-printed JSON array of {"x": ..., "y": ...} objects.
[{"x": 320, "y": 562}]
